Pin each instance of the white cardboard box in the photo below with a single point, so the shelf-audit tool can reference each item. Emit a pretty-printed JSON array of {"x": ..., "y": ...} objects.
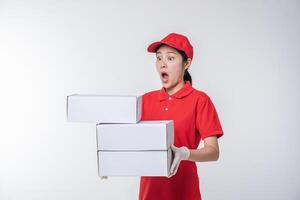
[
  {"x": 134, "y": 163},
  {"x": 141, "y": 149},
  {"x": 144, "y": 135},
  {"x": 104, "y": 108}
]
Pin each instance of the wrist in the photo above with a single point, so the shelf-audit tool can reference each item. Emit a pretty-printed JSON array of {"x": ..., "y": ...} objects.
[{"x": 187, "y": 153}]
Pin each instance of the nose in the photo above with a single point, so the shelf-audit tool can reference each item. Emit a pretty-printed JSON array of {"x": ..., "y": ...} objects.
[{"x": 163, "y": 64}]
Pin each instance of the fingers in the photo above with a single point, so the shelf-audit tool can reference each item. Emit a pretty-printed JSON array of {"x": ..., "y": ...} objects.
[
  {"x": 175, "y": 168},
  {"x": 170, "y": 175},
  {"x": 174, "y": 163},
  {"x": 173, "y": 172}
]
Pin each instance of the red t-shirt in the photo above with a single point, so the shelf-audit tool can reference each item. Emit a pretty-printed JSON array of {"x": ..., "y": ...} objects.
[{"x": 195, "y": 118}]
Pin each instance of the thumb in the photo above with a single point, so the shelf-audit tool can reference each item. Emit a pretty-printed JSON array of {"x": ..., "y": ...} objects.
[{"x": 174, "y": 163}]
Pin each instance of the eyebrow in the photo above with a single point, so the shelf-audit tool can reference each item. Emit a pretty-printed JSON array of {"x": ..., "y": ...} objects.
[{"x": 167, "y": 52}]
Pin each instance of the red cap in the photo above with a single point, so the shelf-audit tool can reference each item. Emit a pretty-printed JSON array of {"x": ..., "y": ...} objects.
[{"x": 176, "y": 41}]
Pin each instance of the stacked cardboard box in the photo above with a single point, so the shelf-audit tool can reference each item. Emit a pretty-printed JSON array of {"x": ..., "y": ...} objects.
[
  {"x": 126, "y": 146},
  {"x": 104, "y": 108}
]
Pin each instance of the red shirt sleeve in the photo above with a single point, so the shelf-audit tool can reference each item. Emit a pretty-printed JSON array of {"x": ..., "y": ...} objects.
[
  {"x": 143, "y": 107},
  {"x": 207, "y": 120}
]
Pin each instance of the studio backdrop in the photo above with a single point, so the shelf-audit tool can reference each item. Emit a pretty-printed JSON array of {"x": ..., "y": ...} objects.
[{"x": 246, "y": 58}]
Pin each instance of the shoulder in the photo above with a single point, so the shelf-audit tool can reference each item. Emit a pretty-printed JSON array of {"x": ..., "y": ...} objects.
[
  {"x": 200, "y": 95},
  {"x": 203, "y": 99}
]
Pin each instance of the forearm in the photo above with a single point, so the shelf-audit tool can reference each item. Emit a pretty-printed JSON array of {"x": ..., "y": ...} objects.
[{"x": 207, "y": 153}]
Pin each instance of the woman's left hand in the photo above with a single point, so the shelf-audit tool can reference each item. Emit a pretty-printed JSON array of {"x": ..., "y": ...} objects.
[{"x": 182, "y": 153}]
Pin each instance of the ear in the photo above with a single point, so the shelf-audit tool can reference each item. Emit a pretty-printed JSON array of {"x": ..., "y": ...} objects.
[{"x": 187, "y": 64}]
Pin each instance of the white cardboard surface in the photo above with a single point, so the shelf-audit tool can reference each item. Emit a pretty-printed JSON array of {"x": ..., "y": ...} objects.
[
  {"x": 134, "y": 163},
  {"x": 104, "y": 108},
  {"x": 144, "y": 135}
]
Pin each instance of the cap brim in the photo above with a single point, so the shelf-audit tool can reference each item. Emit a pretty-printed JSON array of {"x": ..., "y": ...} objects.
[{"x": 152, "y": 47}]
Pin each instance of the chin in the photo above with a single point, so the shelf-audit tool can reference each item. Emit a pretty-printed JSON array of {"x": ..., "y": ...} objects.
[{"x": 167, "y": 85}]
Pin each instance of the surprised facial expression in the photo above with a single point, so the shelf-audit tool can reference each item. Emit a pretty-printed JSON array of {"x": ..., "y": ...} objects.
[{"x": 169, "y": 65}]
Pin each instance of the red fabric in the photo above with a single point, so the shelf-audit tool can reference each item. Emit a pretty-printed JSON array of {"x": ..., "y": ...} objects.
[
  {"x": 195, "y": 118},
  {"x": 175, "y": 40}
]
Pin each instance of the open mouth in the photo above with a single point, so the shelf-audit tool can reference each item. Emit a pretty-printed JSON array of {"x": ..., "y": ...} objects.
[{"x": 164, "y": 77}]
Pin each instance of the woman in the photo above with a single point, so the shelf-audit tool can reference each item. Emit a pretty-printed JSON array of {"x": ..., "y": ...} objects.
[{"x": 194, "y": 117}]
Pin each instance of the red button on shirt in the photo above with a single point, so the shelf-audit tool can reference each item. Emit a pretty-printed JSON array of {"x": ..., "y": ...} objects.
[{"x": 195, "y": 118}]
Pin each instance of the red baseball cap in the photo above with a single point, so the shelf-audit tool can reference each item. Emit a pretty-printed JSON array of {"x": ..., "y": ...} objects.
[{"x": 176, "y": 41}]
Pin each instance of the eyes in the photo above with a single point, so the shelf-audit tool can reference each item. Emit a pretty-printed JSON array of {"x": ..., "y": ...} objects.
[{"x": 169, "y": 58}]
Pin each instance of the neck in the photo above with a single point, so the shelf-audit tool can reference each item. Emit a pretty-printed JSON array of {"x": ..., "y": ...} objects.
[{"x": 175, "y": 88}]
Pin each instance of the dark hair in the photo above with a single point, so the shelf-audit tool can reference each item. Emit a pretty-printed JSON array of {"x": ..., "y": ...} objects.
[{"x": 186, "y": 76}]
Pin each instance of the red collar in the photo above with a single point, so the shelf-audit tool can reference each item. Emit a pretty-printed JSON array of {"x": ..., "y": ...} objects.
[{"x": 182, "y": 92}]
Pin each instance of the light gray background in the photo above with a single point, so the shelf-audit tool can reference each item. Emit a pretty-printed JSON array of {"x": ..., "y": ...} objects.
[{"x": 246, "y": 59}]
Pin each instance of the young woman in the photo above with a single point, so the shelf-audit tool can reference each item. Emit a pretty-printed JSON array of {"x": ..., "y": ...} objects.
[{"x": 194, "y": 117}]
